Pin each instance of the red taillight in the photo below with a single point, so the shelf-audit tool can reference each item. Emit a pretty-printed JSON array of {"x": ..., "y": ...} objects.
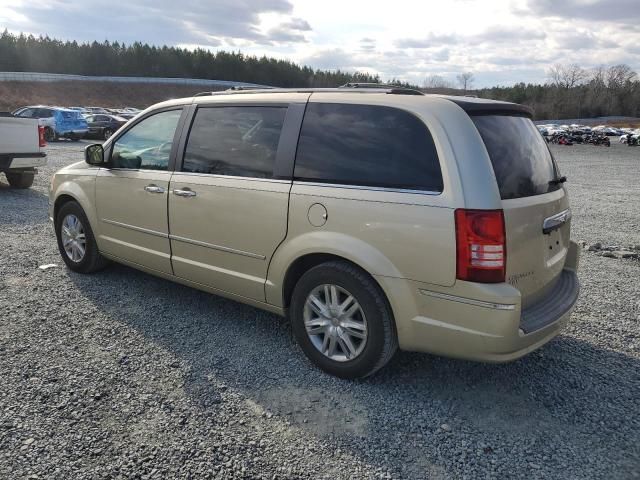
[
  {"x": 41, "y": 140},
  {"x": 480, "y": 245}
]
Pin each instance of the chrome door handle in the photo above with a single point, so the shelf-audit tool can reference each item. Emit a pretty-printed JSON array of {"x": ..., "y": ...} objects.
[
  {"x": 184, "y": 193},
  {"x": 153, "y": 189}
]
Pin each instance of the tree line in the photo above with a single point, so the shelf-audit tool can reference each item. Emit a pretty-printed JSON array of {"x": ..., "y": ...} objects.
[
  {"x": 575, "y": 92},
  {"x": 26, "y": 53},
  {"x": 570, "y": 92}
]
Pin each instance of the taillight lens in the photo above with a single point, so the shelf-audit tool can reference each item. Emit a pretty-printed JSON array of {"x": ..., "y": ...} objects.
[
  {"x": 480, "y": 245},
  {"x": 41, "y": 140}
]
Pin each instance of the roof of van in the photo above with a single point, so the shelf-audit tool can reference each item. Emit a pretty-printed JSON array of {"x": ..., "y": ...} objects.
[{"x": 472, "y": 105}]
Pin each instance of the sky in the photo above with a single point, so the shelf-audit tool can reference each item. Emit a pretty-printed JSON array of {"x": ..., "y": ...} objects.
[{"x": 501, "y": 41}]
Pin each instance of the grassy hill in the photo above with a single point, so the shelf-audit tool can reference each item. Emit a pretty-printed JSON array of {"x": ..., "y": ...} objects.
[{"x": 103, "y": 94}]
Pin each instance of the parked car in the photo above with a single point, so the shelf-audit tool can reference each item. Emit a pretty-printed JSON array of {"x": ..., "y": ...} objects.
[
  {"x": 127, "y": 116},
  {"x": 103, "y": 126},
  {"x": 372, "y": 218},
  {"x": 57, "y": 122},
  {"x": 21, "y": 149},
  {"x": 95, "y": 110}
]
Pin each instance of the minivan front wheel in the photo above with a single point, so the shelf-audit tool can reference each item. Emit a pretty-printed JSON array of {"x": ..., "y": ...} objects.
[
  {"x": 342, "y": 321},
  {"x": 76, "y": 241}
]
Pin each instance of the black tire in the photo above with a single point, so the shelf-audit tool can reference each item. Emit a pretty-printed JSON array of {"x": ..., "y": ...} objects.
[
  {"x": 20, "y": 179},
  {"x": 49, "y": 134},
  {"x": 92, "y": 261},
  {"x": 106, "y": 134},
  {"x": 381, "y": 342}
]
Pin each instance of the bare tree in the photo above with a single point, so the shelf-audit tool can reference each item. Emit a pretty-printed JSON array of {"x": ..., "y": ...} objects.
[
  {"x": 436, "y": 81},
  {"x": 617, "y": 76},
  {"x": 567, "y": 76},
  {"x": 566, "y": 79},
  {"x": 619, "y": 80},
  {"x": 465, "y": 80}
]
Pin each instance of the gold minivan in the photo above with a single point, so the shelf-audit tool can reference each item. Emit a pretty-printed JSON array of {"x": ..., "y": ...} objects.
[{"x": 373, "y": 218}]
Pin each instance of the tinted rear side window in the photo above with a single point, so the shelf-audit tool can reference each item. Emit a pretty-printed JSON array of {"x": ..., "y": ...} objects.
[
  {"x": 521, "y": 159},
  {"x": 366, "y": 145},
  {"x": 236, "y": 141}
]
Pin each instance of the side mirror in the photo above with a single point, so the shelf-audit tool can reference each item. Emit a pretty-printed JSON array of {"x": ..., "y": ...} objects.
[{"x": 94, "y": 154}]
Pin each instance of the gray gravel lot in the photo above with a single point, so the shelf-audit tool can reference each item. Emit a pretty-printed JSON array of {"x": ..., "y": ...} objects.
[{"x": 123, "y": 375}]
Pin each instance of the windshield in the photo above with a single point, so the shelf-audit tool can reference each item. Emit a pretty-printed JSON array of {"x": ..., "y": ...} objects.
[{"x": 521, "y": 159}]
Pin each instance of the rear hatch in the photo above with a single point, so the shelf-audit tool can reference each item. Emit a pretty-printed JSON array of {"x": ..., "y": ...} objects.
[
  {"x": 536, "y": 206},
  {"x": 70, "y": 120}
]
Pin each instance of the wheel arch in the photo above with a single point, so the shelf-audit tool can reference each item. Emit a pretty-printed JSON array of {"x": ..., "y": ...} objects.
[
  {"x": 80, "y": 193},
  {"x": 60, "y": 201},
  {"x": 297, "y": 256}
]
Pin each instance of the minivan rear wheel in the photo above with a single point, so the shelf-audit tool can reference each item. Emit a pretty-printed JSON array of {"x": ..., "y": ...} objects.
[{"x": 342, "y": 321}]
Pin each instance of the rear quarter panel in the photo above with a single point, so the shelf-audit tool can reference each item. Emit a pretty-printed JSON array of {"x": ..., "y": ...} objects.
[{"x": 388, "y": 236}]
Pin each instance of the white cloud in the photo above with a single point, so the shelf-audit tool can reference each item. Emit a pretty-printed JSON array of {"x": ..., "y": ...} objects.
[{"x": 502, "y": 41}]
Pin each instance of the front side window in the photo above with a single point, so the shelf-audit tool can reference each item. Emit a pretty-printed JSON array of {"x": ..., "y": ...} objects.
[
  {"x": 147, "y": 145},
  {"x": 236, "y": 141},
  {"x": 367, "y": 145}
]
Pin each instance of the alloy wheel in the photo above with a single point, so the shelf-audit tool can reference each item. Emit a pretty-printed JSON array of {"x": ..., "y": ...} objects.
[
  {"x": 335, "y": 322},
  {"x": 74, "y": 240}
]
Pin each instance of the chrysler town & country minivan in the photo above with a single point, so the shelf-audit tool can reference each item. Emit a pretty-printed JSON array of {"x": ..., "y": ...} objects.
[{"x": 374, "y": 219}]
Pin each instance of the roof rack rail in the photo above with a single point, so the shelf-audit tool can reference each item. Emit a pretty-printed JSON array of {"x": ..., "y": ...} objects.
[
  {"x": 235, "y": 88},
  {"x": 392, "y": 89},
  {"x": 366, "y": 85},
  {"x": 248, "y": 87}
]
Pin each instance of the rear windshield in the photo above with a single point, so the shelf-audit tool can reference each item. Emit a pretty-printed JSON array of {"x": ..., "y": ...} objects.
[
  {"x": 71, "y": 115},
  {"x": 521, "y": 159}
]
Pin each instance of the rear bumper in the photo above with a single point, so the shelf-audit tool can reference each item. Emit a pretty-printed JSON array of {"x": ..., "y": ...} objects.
[
  {"x": 19, "y": 161},
  {"x": 482, "y": 322},
  {"x": 79, "y": 132}
]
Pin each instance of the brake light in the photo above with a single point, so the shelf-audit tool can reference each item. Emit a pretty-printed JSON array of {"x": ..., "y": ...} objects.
[
  {"x": 480, "y": 246},
  {"x": 41, "y": 140}
]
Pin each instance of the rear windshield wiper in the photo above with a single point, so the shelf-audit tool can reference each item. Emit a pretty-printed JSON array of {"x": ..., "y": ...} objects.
[{"x": 557, "y": 181}]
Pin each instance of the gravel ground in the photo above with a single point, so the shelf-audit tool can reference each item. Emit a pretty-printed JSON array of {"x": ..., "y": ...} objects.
[{"x": 123, "y": 375}]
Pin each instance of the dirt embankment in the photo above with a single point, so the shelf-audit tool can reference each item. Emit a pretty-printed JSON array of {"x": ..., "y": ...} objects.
[{"x": 102, "y": 94}]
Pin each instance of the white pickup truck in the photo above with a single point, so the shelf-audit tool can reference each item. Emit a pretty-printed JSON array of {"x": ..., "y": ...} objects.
[{"x": 21, "y": 149}]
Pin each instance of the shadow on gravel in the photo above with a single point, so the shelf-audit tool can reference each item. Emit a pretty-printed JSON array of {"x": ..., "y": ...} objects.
[
  {"x": 22, "y": 206},
  {"x": 556, "y": 397}
]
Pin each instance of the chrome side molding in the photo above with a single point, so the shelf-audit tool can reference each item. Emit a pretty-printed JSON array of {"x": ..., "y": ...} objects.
[
  {"x": 468, "y": 301},
  {"x": 134, "y": 228}
]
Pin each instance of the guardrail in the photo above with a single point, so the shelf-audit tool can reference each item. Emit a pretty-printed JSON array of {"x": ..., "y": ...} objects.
[{"x": 59, "y": 77}]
